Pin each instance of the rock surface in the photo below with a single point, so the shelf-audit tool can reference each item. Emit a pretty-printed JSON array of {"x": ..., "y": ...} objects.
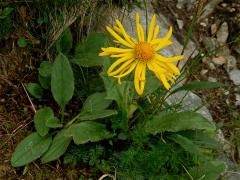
[
  {"x": 222, "y": 34},
  {"x": 235, "y": 76}
]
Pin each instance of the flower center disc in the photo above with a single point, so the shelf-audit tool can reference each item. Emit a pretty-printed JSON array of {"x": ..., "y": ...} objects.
[{"x": 143, "y": 51}]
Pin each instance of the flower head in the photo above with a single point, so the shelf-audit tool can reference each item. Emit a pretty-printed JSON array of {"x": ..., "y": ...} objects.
[{"x": 141, "y": 53}]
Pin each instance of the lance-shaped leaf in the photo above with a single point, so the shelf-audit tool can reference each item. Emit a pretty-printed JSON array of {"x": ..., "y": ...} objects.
[
  {"x": 62, "y": 82},
  {"x": 58, "y": 147},
  {"x": 88, "y": 131},
  {"x": 178, "y": 121},
  {"x": 40, "y": 119},
  {"x": 30, "y": 149}
]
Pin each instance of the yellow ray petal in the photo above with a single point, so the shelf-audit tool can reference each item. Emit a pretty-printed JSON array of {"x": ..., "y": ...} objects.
[
  {"x": 156, "y": 31},
  {"x": 130, "y": 69},
  {"x": 158, "y": 71},
  {"x": 168, "y": 59},
  {"x": 164, "y": 81},
  {"x": 161, "y": 44},
  {"x": 111, "y": 71},
  {"x": 141, "y": 33},
  {"x": 137, "y": 78},
  {"x": 151, "y": 28},
  {"x": 122, "y": 55},
  {"x": 113, "y": 50},
  {"x": 142, "y": 78},
  {"x": 121, "y": 40},
  {"x": 137, "y": 27},
  {"x": 125, "y": 35},
  {"x": 173, "y": 68},
  {"x": 169, "y": 34},
  {"x": 117, "y": 29}
]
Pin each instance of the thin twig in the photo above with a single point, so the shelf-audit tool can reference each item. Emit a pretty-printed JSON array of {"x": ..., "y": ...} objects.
[{"x": 33, "y": 107}]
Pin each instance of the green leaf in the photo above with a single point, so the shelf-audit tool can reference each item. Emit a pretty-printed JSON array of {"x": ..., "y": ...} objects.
[
  {"x": 45, "y": 69},
  {"x": 86, "y": 53},
  {"x": 152, "y": 84},
  {"x": 210, "y": 170},
  {"x": 64, "y": 44},
  {"x": 53, "y": 123},
  {"x": 62, "y": 82},
  {"x": 88, "y": 131},
  {"x": 97, "y": 115},
  {"x": 96, "y": 102},
  {"x": 58, "y": 147},
  {"x": 199, "y": 85},
  {"x": 40, "y": 119},
  {"x": 44, "y": 81},
  {"x": 6, "y": 12},
  {"x": 186, "y": 144},
  {"x": 178, "y": 121},
  {"x": 35, "y": 90},
  {"x": 22, "y": 42},
  {"x": 30, "y": 149}
]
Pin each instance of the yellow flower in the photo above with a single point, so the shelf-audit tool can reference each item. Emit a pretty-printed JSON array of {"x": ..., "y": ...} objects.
[{"x": 140, "y": 54}]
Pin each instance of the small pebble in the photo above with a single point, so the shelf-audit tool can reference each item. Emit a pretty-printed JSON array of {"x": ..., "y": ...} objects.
[
  {"x": 180, "y": 23},
  {"x": 211, "y": 66},
  {"x": 231, "y": 63},
  {"x": 222, "y": 34},
  {"x": 220, "y": 60},
  {"x": 212, "y": 79},
  {"x": 224, "y": 5},
  {"x": 203, "y": 24},
  {"x": 235, "y": 76},
  {"x": 213, "y": 28},
  {"x": 226, "y": 93},
  {"x": 237, "y": 103},
  {"x": 204, "y": 72}
]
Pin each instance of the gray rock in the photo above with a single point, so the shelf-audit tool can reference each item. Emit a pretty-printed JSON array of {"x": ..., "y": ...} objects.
[
  {"x": 212, "y": 79},
  {"x": 223, "y": 51},
  {"x": 237, "y": 103},
  {"x": 235, "y": 76},
  {"x": 180, "y": 23},
  {"x": 209, "y": 8},
  {"x": 222, "y": 34},
  {"x": 213, "y": 28},
  {"x": 231, "y": 63},
  {"x": 211, "y": 66},
  {"x": 188, "y": 3},
  {"x": 210, "y": 43},
  {"x": 236, "y": 47},
  {"x": 189, "y": 102}
]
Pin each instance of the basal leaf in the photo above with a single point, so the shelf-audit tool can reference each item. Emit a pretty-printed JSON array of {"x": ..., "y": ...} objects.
[
  {"x": 22, "y": 42},
  {"x": 44, "y": 81},
  {"x": 186, "y": 144},
  {"x": 199, "y": 85},
  {"x": 178, "y": 121},
  {"x": 62, "y": 82},
  {"x": 35, "y": 90},
  {"x": 40, "y": 119},
  {"x": 96, "y": 102},
  {"x": 53, "y": 123},
  {"x": 97, "y": 114},
  {"x": 88, "y": 131},
  {"x": 86, "y": 53},
  {"x": 58, "y": 147},
  {"x": 30, "y": 149},
  {"x": 64, "y": 44},
  {"x": 210, "y": 170},
  {"x": 45, "y": 69}
]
